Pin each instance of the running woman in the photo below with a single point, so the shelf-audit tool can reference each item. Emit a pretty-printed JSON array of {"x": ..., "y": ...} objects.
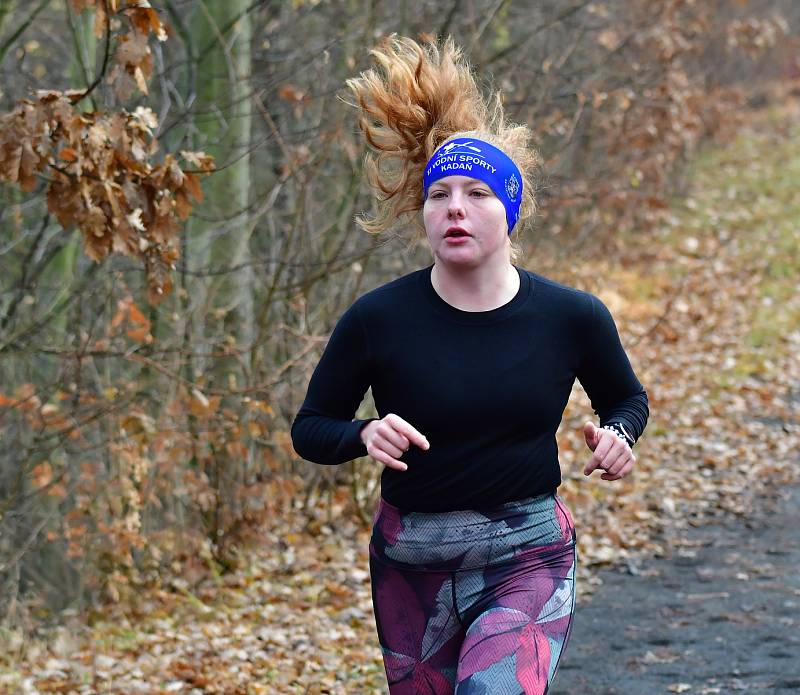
[{"x": 471, "y": 361}]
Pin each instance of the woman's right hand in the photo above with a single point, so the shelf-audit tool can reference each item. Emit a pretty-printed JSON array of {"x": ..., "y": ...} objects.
[{"x": 390, "y": 437}]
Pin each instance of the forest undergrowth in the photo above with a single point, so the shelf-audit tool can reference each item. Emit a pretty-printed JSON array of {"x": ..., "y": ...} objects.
[{"x": 708, "y": 309}]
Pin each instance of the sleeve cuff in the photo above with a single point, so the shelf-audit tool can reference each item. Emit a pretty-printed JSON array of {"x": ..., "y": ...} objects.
[
  {"x": 357, "y": 426},
  {"x": 619, "y": 429}
]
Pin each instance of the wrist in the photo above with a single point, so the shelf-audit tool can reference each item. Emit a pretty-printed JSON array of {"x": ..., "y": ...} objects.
[
  {"x": 362, "y": 431},
  {"x": 619, "y": 430}
]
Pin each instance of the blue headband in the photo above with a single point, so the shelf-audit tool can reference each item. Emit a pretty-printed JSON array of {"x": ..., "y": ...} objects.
[{"x": 479, "y": 160}]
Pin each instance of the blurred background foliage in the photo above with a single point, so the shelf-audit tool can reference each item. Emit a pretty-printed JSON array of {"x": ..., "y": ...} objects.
[{"x": 148, "y": 382}]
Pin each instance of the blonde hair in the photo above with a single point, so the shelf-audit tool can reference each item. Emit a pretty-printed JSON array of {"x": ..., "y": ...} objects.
[{"x": 425, "y": 97}]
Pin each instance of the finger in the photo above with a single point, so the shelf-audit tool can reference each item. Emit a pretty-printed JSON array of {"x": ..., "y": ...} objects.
[
  {"x": 610, "y": 449},
  {"x": 382, "y": 457},
  {"x": 616, "y": 458},
  {"x": 396, "y": 440},
  {"x": 595, "y": 463},
  {"x": 628, "y": 462},
  {"x": 592, "y": 465},
  {"x": 611, "y": 476},
  {"x": 407, "y": 429},
  {"x": 387, "y": 438},
  {"x": 384, "y": 442},
  {"x": 627, "y": 468},
  {"x": 590, "y": 434},
  {"x": 599, "y": 455},
  {"x": 606, "y": 444}
]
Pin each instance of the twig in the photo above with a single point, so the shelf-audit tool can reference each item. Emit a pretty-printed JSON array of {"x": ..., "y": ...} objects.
[
  {"x": 9, "y": 42},
  {"x": 27, "y": 544},
  {"x": 102, "y": 72}
]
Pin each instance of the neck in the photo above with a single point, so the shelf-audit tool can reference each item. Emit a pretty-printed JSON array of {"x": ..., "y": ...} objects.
[{"x": 479, "y": 288}]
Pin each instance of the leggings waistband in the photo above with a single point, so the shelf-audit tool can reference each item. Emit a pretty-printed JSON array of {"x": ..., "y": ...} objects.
[
  {"x": 466, "y": 539},
  {"x": 492, "y": 512}
]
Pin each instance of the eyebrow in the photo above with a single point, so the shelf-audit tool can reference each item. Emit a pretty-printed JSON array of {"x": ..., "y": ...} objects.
[{"x": 471, "y": 182}]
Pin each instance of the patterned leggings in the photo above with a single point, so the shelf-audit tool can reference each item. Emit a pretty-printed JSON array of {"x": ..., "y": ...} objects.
[{"x": 470, "y": 602}]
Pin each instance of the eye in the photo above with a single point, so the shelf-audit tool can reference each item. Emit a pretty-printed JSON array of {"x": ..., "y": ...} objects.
[
  {"x": 436, "y": 194},
  {"x": 480, "y": 193}
]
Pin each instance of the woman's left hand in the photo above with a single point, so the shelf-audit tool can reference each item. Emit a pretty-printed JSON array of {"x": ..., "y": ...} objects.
[{"x": 611, "y": 454}]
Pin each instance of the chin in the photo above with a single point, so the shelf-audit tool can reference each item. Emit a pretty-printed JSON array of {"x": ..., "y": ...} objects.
[{"x": 459, "y": 259}]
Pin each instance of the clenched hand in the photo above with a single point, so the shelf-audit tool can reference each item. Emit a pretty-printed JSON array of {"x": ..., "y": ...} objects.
[
  {"x": 613, "y": 456},
  {"x": 390, "y": 437}
]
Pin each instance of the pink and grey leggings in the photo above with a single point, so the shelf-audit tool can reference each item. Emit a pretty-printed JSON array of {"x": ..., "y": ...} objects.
[{"x": 470, "y": 602}]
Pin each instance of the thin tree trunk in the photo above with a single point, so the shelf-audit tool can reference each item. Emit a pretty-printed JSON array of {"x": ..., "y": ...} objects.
[{"x": 221, "y": 240}]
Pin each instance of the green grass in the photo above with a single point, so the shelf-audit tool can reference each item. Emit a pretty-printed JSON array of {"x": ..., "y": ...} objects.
[{"x": 749, "y": 191}]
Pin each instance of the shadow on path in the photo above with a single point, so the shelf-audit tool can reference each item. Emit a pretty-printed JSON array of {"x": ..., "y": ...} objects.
[{"x": 719, "y": 613}]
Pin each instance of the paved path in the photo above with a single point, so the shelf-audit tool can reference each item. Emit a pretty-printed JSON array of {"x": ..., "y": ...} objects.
[{"x": 719, "y": 613}]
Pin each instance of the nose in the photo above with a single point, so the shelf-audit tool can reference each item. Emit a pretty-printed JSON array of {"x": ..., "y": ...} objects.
[{"x": 455, "y": 207}]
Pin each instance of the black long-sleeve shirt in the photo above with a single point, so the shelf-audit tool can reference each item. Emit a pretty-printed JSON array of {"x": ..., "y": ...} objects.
[{"x": 487, "y": 388}]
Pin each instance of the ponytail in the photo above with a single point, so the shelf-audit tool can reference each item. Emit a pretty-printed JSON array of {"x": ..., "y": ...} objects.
[{"x": 421, "y": 97}]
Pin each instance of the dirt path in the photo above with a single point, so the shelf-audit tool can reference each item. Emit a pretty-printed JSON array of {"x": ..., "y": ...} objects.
[{"x": 719, "y": 613}]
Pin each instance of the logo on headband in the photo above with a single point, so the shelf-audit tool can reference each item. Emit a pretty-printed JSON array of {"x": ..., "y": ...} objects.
[
  {"x": 512, "y": 187},
  {"x": 462, "y": 156},
  {"x": 467, "y": 145}
]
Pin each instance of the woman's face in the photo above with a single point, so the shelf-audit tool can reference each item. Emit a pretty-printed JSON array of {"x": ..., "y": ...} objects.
[{"x": 461, "y": 201}]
